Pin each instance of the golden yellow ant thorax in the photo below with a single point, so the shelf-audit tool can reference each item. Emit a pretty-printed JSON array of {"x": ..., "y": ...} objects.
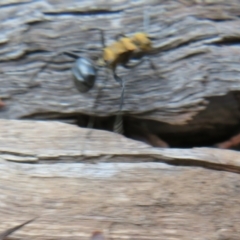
[
  {"x": 127, "y": 44},
  {"x": 114, "y": 51}
]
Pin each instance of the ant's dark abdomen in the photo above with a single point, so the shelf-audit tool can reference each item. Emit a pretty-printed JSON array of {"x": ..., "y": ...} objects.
[{"x": 84, "y": 72}]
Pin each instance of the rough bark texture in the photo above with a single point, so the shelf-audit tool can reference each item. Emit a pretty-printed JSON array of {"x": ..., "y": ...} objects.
[
  {"x": 78, "y": 181},
  {"x": 198, "y": 62},
  {"x": 134, "y": 199}
]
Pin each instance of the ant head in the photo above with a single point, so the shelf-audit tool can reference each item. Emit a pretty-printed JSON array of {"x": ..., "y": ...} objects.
[
  {"x": 142, "y": 41},
  {"x": 127, "y": 43}
]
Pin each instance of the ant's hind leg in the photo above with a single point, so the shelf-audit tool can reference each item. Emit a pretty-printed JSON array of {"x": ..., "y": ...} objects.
[
  {"x": 118, "y": 124},
  {"x": 153, "y": 67}
]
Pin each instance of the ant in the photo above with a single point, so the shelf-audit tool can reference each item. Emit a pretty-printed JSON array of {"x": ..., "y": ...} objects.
[
  {"x": 9, "y": 231},
  {"x": 120, "y": 53}
]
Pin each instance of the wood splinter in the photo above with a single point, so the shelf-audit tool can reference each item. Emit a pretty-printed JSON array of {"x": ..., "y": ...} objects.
[
  {"x": 9, "y": 231},
  {"x": 230, "y": 143}
]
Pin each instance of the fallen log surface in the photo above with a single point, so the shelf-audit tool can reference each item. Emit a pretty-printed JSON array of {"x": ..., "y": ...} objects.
[
  {"x": 134, "y": 191},
  {"x": 198, "y": 63},
  {"x": 76, "y": 181}
]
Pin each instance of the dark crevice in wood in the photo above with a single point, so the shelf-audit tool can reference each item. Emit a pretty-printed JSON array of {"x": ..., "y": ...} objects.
[
  {"x": 38, "y": 51},
  {"x": 25, "y": 55},
  {"x": 160, "y": 134},
  {"x": 193, "y": 134},
  {"x": 14, "y": 4},
  {"x": 35, "y": 22},
  {"x": 204, "y": 164},
  {"x": 191, "y": 41},
  {"x": 125, "y": 158},
  {"x": 69, "y": 118},
  {"x": 190, "y": 55},
  {"x": 186, "y": 136},
  {"x": 83, "y": 13},
  {"x": 227, "y": 41},
  {"x": 216, "y": 19}
]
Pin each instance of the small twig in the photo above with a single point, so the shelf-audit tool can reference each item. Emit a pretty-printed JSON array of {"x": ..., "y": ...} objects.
[{"x": 6, "y": 233}]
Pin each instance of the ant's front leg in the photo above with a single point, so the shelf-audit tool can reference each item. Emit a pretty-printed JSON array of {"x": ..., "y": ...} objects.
[
  {"x": 145, "y": 58},
  {"x": 131, "y": 66},
  {"x": 153, "y": 67},
  {"x": 119, "y": 35}
]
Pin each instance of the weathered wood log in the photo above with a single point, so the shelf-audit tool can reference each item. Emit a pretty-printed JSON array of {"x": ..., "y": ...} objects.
[
  {"x": 9, "y": 231},
  {"x": 198, "y": 63},
  {"x": 126, "y": 200},
  {"x": 40, "y": 141}
]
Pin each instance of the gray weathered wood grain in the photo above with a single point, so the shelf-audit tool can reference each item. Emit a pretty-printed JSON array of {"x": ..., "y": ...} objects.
[
  {"x": 133, "y": 201},
  {"x": 40, "y": 141},
  {"x": 76, "y": 183},
  {"x": 199, "y": 58}
]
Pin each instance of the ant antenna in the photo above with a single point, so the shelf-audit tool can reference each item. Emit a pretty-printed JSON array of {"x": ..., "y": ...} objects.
[
  {"x": 103, "y": 41},
  {"x": 146, "y": 19}
]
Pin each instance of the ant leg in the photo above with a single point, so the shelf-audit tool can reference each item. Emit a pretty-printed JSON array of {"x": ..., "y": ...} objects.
[
  {"x": 43, "y": 67},
  {"x": 146, "y": 58},
  {"x": 92, "y": 118},
  {"x": 120, "y": 35},
  {"x": 153, "y": 67},
  {"x": 118, "y": 123},
  {"x": 102, "y": 33},
  {"x": 145, "y": 19},
  {"x": 70, "y": 54},
  {"x": 122, "y": 95},
  {"x": 118, "y": 79},
  {"x": 131, "y": 66}
]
